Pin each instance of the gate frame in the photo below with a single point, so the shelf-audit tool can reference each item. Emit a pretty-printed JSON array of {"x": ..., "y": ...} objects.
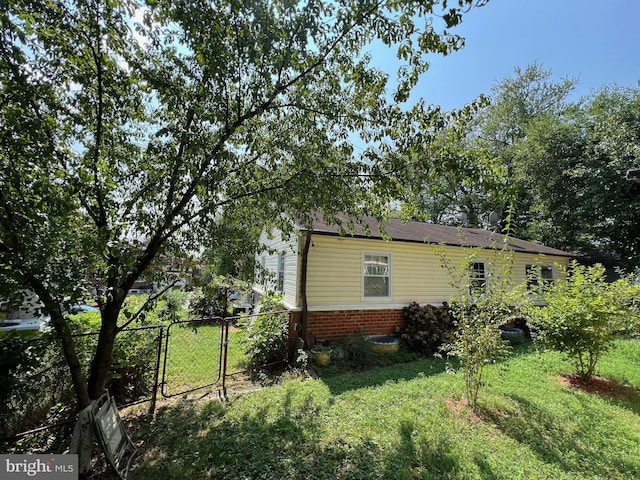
[{"x": 163, "y": 382}]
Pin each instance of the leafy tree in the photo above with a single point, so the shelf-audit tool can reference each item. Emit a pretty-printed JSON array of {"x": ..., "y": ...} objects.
[
  {"x": 478, "y": 313},
  {"x": 574, "y": 168},
  {"x": 479, "y": 170},
  {"x": 129, "y": 128},
  {"x": 583, "y": 314}
]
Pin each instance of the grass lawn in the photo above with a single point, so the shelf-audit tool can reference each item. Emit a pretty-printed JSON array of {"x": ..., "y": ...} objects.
[
  {"x": 194, "y": 356},
  {"x": 407, "y": 422}
]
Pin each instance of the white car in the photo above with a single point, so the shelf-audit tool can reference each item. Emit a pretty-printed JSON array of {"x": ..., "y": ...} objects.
[{"x": 34, "y": 324}]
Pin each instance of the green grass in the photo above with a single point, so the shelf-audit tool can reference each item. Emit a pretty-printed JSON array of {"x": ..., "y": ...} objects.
[
  {"x": 406, "y": 422},
  {"x": 194, "y": 356}
]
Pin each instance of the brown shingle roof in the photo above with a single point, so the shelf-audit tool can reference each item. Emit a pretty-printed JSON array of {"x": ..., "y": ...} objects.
[{"x": 421, "y": 232}]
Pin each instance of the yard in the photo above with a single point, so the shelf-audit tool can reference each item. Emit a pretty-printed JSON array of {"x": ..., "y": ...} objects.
[{"x": 407, "y": 421}]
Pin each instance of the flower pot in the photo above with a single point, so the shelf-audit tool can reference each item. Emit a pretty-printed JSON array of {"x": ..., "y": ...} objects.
[
  {"x": 383, "y": 343},
  {"x": 321, "y": 357}
]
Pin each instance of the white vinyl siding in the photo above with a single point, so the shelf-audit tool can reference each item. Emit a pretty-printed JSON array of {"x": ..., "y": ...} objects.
[
  {"x": 280, "y": 278},
  {"x": 281, "y": 261}
]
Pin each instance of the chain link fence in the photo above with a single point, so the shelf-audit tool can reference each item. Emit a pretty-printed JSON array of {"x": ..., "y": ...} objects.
[{"x": 37, "y": 400}]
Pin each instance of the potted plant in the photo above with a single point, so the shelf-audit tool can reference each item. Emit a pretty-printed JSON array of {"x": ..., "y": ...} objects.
[{"x": 321, "y": 355}]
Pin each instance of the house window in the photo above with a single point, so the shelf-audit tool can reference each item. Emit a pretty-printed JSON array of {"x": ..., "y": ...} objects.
[
  {"x": 538, "y": 276},
  {"x": 280, "y": 284},
  {"x": 477, "y": 277},
  {"x": 376, "y": 274}
]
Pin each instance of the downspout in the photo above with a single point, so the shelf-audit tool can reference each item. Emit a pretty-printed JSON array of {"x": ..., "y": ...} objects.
[{"x": 303, "y": 286}]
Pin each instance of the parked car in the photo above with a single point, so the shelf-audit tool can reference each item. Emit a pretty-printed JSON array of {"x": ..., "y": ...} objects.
[
  {"x": 24, "y": 324},
  {"x": 76, "y": 309}
]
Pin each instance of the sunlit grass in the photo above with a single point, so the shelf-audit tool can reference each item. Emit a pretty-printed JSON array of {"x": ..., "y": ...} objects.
[
  {"x": 194, "y": 356},
  {"x": 407, "y": 422}
]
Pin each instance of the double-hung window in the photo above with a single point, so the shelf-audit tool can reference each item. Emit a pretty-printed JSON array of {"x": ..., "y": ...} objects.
[
  {"x": 376, "y": 276},
  {"x": 538, "y": 276},
  {"x": 477, "y": 277}
]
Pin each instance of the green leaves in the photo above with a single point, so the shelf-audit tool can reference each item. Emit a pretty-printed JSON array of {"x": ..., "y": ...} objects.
[
  {"x": 135, "y": 131},
  {"x": 583, "y": 314}
]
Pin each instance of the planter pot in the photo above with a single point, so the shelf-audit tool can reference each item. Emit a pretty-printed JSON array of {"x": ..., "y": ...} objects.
[
  {"x": 511, "y": 332},
  {"x": 321, "y": 358},
  {"x": 383, "y": 343}
]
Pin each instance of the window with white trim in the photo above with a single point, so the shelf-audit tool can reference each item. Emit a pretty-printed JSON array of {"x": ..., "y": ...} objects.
[
  {"x": 376, "y": 276},
  {"x": 538, "y": 276},
  {"x": 477, "y": 277},
  {"x": 280, "y": 278}
]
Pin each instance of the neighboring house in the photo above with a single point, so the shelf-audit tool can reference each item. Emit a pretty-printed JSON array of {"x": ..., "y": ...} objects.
[
  {"x": 358, "y": 283},
  {"x": 29, "y": 315}
]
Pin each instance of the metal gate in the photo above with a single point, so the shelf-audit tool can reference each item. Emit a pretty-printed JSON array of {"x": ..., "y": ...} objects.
[
  {"x": 193, "y": 355},
  {"x": 204, "y": 353}
]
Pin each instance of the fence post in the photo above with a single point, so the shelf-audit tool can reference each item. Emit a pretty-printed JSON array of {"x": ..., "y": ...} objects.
[
  {"x": 225, "y": 344},
  {"x": 156, "y": 374},
  {"x": 293, "y": 333}
]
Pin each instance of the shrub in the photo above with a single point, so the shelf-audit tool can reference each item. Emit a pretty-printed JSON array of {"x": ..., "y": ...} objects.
[
  {"x": 583, "y": 314},
  {"x": 427, "y": 328},
  {"x": 204, "y": 304},
  {"x": 478, "y": 315},
  {"x": 266, "y": 335},
  {"x": 478, "y": 340},
  {"x": 171, "y": 307}
]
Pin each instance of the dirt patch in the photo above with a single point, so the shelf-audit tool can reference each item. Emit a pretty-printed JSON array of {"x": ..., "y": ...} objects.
[
  {"x": 602, "y": 387},
  {"x": 461, "y": 408}
]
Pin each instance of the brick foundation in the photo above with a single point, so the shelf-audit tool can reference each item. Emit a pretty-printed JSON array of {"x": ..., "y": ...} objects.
[{"x": 340, "y": 324}]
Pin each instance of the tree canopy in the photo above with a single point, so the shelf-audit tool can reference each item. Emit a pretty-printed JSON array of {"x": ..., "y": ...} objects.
[
  {"x": 133, "y": 129},
  {"x": 554, "y": 168}
]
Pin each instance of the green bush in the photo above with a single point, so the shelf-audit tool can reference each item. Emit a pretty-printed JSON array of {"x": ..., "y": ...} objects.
[
  {"x": 427, "y": 328},
  {"x": 171, "y": 307},
  {"x": 266, "y": 335},
  {"x": 205, "y": 303},
  {"x": 583, "y": 314}
]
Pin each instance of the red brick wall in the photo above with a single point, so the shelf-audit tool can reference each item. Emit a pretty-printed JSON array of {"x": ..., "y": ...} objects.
[{"x": 339, "y": 324}]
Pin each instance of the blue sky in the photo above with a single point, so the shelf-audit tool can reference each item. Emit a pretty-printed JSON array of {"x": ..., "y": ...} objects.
[{"x": 597, "y": 41}]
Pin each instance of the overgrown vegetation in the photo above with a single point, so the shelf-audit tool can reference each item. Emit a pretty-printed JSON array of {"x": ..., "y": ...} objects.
[
  {"x": 427, "y": 328},
  {"x": 37, "y": 387},
  {"x": 266, "y": 335},
  {"x": 583, "y": 314}
]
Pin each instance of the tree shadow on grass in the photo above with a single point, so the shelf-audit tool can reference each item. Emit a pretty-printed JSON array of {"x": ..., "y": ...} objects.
[
  {"x": 614, "y": 392},
  {"x": 200, "y": 442},
  {"x": 415, "y": 456},
  {"x": 379, "y": 376},
  {"x": 570, "y": 448}
]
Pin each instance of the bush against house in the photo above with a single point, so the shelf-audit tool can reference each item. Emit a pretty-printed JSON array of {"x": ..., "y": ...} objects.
[
  {"x": 427, "y": 328},
  {"x": 266, "y": 335}
]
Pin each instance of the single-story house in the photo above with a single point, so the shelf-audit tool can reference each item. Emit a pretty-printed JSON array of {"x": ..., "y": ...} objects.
[{"x": 338, "y": 283}]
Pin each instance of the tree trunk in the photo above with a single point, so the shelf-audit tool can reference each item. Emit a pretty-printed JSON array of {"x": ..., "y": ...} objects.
[
  {"x": 103, "y": 355},
  {"x": 63, "y": 332}
]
